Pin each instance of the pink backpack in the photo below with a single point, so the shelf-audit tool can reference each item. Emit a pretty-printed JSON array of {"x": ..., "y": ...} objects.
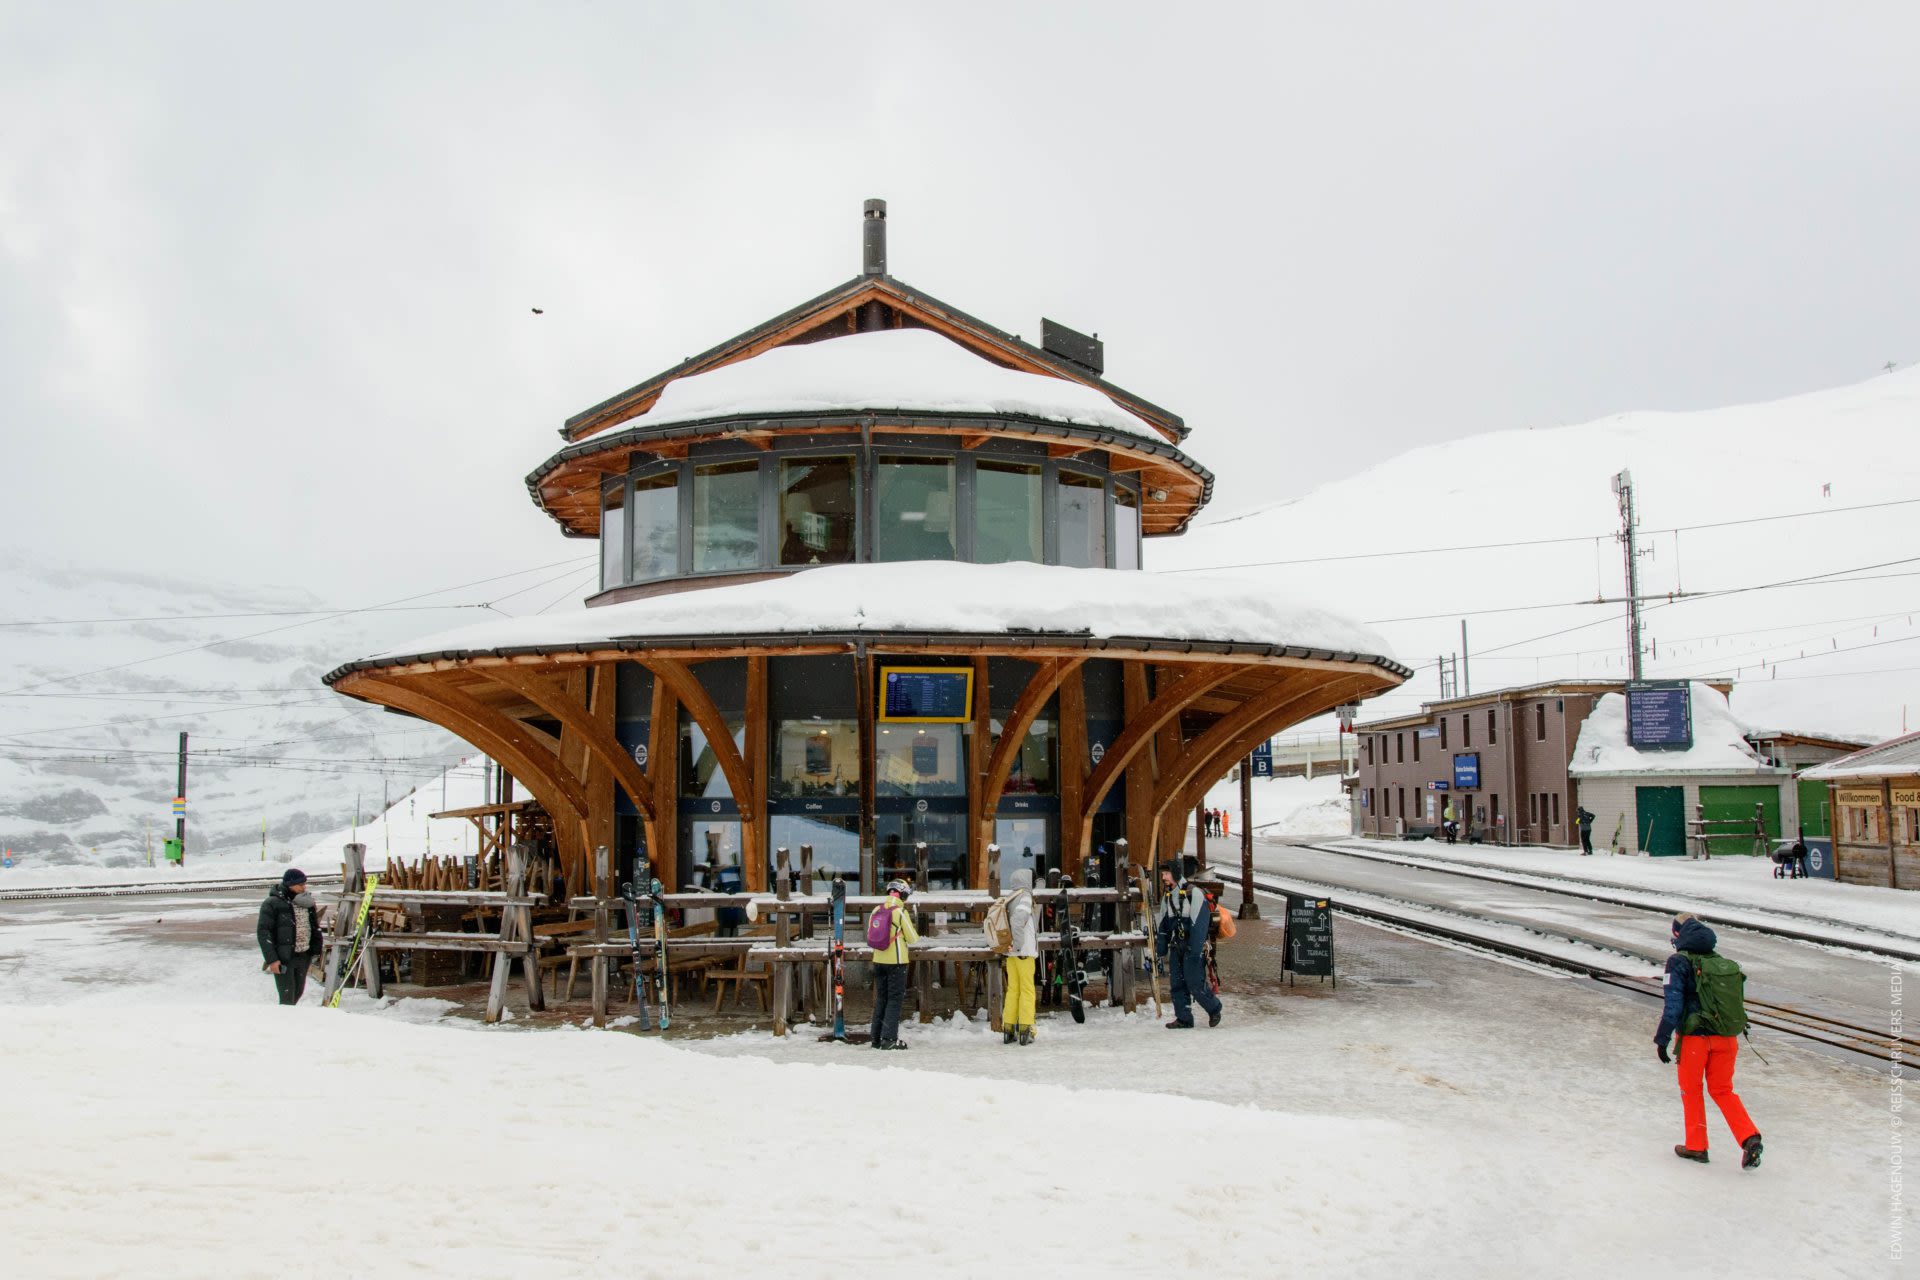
[{"x": 880, "y": 928}]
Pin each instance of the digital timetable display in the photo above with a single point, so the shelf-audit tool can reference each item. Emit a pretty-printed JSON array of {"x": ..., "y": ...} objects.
[{"x": 926, "y": 695}]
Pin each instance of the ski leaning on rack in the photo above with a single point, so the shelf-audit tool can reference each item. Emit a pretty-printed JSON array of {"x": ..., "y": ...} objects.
[
  {"x": 1150, "y": 909},
  {"x": 1076, "y": 977},
  {"x": 632, "y": 898},
  {"x": 839, "y": 958},
  {"x": 659, "y": 948},
  {"x": 359, "y": 941}
]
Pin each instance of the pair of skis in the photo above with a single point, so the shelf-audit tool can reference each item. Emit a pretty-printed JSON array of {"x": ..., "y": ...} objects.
[
  {"x": 360, "y": 932},
  {"x": 655, "y": 916},
  {"x": 1072, "y": 973},
  {"x": 1150, "y": 908}
]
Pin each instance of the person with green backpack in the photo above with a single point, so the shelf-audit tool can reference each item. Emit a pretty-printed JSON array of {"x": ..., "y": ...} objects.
[{"x": 1706, "y": 1004}]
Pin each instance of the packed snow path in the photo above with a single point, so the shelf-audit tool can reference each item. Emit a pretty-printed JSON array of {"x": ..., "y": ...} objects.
[{"x": 1441, "y": 1114}]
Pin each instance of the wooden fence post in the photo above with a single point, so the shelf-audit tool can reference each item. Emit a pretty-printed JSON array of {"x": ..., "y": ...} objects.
[
  {"x": 353, "y": 883},
  {"x": 601, "y": 872}
]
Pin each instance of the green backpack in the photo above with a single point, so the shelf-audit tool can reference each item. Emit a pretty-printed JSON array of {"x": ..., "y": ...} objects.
[{"x": 1720, "y": 988}]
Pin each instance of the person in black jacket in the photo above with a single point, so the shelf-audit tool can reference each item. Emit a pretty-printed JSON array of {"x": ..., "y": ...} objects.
[
  {"x": 1584, "y": 816},
  {"x": 289, "y": 934}
]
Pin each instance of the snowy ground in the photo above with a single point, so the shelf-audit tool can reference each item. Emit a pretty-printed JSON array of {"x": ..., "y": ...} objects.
[
  {"x": 1438, "y": 1115},
  {"x": 1287, "y": 806}
]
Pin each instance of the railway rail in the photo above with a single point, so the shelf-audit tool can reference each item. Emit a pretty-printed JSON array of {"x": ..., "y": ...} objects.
[
  {"x": 1806, "y": 1024},
  {"x": 1892, "y": 947}
]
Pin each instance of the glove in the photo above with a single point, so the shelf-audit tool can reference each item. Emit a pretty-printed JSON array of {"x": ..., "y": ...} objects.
[{"x": 1660, "y": 1047}]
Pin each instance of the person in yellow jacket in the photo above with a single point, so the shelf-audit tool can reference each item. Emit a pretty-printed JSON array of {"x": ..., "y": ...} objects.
[
  {"x": 1016, "y": 1011},
  {"x": 890, "y": 964}
]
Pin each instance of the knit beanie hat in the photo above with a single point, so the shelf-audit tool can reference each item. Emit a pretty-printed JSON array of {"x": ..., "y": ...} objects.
[{"x": 292, "y": 877}]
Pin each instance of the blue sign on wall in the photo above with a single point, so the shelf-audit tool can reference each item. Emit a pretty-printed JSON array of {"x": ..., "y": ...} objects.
[
  {"x": 1263, "y": 760},
  {"x": 1660, "y": 716},
  {"x": 1466, "y": 771}
]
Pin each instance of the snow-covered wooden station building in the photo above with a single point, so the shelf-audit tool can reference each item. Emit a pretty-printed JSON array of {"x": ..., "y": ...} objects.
[{"x": 871, "y": 578}]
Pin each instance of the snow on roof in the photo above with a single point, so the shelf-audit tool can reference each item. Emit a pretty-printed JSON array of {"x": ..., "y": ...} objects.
[
  {"x": 913, "y": 369},
  {"x": 941, "y": 596},
  {"x": 1894, "y": 756},
  {"x": 1719, "y": 742}
]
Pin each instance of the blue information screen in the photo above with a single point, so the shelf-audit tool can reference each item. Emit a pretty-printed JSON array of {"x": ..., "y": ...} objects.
[
  {"x": 1466, "y": 772},
  {"x": 1660, "y": 716},
  {"x": 926, "y": 695}
]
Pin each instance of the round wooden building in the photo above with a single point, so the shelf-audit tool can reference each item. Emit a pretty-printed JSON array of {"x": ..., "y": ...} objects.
[{"x": 870, "y": 579}]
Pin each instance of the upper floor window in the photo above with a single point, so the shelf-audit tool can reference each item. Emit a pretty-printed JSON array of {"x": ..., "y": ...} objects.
[
  {"x": 1082, "y": 521},
  {"x": 613, "y": 542},
  {"x": 656, "y": 527},
  {"x": 726, "y": 517},
  {"x": 913, "y": 509},
  {"x": 817, "y": 508},
  {"x": 1007, "y": 513},
  {"x": 1126, "y": 529}
]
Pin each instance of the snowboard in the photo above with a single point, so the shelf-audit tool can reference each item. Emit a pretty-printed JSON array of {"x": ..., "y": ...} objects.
[
  {"x": 839, "y": 958},
  {"x": 1075, "y": 976},
  {"x": 1150, "y": 909},
  {"x": 632, "y": 897}
]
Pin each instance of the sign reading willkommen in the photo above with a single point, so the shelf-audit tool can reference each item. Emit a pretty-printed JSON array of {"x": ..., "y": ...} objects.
[{"x": 1660, "y": 715}]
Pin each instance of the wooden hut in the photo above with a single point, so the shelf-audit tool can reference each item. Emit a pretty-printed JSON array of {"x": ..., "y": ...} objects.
[
  {"x": 870, "y": 579},
  {"x": 1875, "y": 802}
]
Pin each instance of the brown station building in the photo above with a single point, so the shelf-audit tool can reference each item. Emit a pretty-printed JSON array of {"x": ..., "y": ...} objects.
[{"x": 870, "y": 580}]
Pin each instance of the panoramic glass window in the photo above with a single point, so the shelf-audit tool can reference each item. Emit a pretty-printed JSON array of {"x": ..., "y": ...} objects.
[
  {"x": 726, "y": 517},
  {"x": 816, "y": 511},
  {"x": 816, "y": 757},
  {"x": 1126, "y": 529},
  {"x": 701, "y": 776},
  {"x": 1083, "y": 521},
  {"x": 1006, "y": 524},
  {"x": 944, "y": 834},
  {"x": 656, "y": 527},
  {"x": 919, "y": 760},
  {"x": 613, "y": 527},
  {"x": 913, "y": 509},
  {"x": 1033, "y": 766},
  {"x": 836, "y": 845}
]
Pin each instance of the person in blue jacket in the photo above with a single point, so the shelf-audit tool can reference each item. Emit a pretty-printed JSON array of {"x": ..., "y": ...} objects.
[
  {"x": 1706, "y": 1062},
  {"x": 1180, "y": 937}
]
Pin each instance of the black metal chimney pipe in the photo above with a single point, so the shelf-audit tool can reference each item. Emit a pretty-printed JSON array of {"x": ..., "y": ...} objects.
[{"x": 873, "y": 239}]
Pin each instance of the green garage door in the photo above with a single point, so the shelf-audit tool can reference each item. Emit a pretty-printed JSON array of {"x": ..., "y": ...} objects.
[
  {"x": 1660, "y": 820},
  {"x": 1813, "y": 809},
  {"x": 1735, "y": 804}
]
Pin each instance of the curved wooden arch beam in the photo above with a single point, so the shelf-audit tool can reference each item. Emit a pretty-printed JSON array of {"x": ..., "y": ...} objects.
[
  {"x": 1177, "y": 772},
  {"x": 573, "y": 717},
  {"x": 498, "y": 735},
  {"x": 692, "y": 695},
  {"x": 1195, "y": 684},
  {"x": 1304, "y": 705},
  {"x": 1033, "y": 699}
]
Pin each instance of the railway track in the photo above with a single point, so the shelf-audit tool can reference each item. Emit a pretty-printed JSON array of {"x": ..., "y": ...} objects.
[
  {"x": 1725, "y": 913},
  {"x": 144, "y": 888},
  {"x": 1880, "y": 1044}
]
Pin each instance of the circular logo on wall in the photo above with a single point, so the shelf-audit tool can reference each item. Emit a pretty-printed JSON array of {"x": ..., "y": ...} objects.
[
  {"x": 1099, "y": 752},
  {"x": 919, "y": 806},
  {"x": 716, "y": 806},
  {"x": 640, "y": 754}
]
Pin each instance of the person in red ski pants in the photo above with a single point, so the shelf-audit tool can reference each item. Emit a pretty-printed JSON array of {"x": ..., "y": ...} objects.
[{"x": 1705, "y": 1062}]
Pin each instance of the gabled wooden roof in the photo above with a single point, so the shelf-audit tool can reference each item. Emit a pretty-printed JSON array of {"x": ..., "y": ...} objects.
[{"x": 838, "y": 312}]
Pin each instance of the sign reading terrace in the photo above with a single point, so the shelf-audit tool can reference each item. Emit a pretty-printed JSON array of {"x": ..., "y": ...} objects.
[
  {"x": 926, "y": 695},
  {"x": 1660, "y": 716}
]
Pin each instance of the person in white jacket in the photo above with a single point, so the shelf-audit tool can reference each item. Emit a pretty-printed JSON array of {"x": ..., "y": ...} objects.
[{"x": 1016, "y": 1012}]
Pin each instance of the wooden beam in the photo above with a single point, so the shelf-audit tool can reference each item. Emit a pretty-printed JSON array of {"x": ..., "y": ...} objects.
[
  {"x": 753, "y": 845},
  {"x": 574, "y": 717},
  {"x": 1074, "y": 766},
  {"x": 1142, "y": 724},
  {"x": 980, "y": 823},
  {"x": 1134, "y": 698},
  {"x": 1032, "y": 700},
  {"x": 663, "y": 767}
]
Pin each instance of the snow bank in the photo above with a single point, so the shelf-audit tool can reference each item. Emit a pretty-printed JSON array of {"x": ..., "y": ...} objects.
[
  {"x": 1719, "y": 744},
  {"x": 912, "y": 369},
  {"x": 945, "y": 596},
  {"x": 197, "y": 871},
  {"x": 1283, "y": 807}
]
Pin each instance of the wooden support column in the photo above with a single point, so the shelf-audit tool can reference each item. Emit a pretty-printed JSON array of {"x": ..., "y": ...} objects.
[
  {"x": 1074, "y": 767},
  {"x": 980, "y": 823},
  {"x": 1033, "y": 700},
  {"x": 1249, "y": 907},
  {"x": 863, "y": 710},
  {"x": 1139, "y": 783},
  {"x": 601, "y": 887},
  {"x": 663, "y": 767},
  {"x": 753, "y": 825}
]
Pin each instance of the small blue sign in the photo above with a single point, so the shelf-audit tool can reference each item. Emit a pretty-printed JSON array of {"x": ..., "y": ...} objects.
[
  {"x": 1466, "y": 771},
  {"x": 1263, "y": 760}
]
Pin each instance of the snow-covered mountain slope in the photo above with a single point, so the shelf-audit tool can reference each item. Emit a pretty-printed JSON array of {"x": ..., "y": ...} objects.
[
  {"x": 91, "y": 712},
  {"x": 1847, "y": 652}
]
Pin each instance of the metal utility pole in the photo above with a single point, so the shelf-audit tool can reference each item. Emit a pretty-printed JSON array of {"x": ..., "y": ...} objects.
[
  {"x": 1249, "y": 909},
  {"x": 180, "y": 796},
  {"x": 1623, "y": 490},
  {"x": 1466, "y": 670}
]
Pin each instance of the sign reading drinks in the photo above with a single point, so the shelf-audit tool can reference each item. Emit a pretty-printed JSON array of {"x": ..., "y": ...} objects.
[
  {"x": 1660, "y": 715},
  {"x": 926, "y": 695}
]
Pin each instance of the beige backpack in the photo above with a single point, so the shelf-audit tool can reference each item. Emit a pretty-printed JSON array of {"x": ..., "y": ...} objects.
[{"x": 999, "y": 926}]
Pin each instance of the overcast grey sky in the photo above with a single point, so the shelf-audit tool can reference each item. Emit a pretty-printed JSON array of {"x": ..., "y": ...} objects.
[{"x": 266, "y": 272}]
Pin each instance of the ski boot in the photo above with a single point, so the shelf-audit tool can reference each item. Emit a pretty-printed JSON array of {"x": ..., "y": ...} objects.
[
  {"x": 1213, "y": 1019},
  {"x": 1026, "y": 1035},
  {"x": 1687, "y": 1153},
  {"x": 1008, "y": 1036},
  {"x": 1750, "y": 1152}
]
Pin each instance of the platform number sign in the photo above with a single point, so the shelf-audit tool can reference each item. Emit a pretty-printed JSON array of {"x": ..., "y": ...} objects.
[{"x": 1263, "y": 760}]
